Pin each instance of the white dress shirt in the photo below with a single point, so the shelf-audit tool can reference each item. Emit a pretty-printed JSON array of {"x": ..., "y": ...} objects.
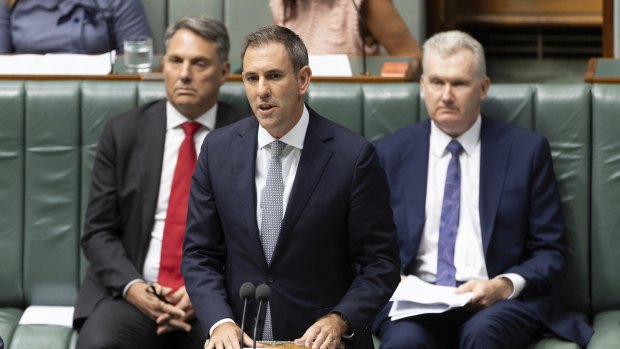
[
  {"x": 291, "y": 154},
  {"x": 468, "y": 253},
  {"x": 174, "y": 137}
]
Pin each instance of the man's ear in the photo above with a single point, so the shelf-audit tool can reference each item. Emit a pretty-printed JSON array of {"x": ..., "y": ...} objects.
[
  {"x": 303, "y": 78},
  {"x": 486, "y": 83},
  {"x": 225, "y": 71}
]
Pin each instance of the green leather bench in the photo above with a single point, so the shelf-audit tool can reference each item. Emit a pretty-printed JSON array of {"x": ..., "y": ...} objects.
[{"x": 50, "y": 131}]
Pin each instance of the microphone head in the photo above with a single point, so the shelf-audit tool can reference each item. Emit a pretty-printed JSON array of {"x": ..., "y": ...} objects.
[
  {"x": 263, "y": 292},
  {"x": 246, "y": 291}
]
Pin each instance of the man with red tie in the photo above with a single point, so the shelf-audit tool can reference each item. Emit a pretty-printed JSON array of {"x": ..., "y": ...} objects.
[{"x": 133, "y": 294}]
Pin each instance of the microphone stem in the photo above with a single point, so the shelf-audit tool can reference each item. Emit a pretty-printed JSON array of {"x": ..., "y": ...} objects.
[
  {"x": 245, "y": 304},
  {"x": 258, "y": 312}
]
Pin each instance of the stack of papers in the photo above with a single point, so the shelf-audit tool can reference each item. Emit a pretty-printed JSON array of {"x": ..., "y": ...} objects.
[
  {"x": 56, "y": 64},
  {"x": 47, "y": 315},
  {"x": 415, "y": 297},
  {"x": 330, "y": 65}
]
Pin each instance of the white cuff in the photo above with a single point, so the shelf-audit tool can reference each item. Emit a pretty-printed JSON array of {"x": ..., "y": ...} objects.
[
  {"x": 219, "y": 323},
  {"x": 129, "y": 284},
  {"x": 518, "y": 283}
]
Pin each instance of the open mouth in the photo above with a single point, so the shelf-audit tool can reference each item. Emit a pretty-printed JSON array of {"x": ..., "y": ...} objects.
[{"x": 265, "y": 107}]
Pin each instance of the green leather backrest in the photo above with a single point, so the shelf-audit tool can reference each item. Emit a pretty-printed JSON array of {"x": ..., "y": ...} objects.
[
  {"x": 512, "y": 103},
  {"x": 12, "y": 118},
  {"x": 233, "y": 93},
  {"x": 563, "y": 116},
  {"x": 605, "y": 197},
  {"x": 52, "y": 192},
  {"x": 389, "y": 107},
  {"x": 339, "y": 102},
  {"x": 100, "y": 101},
  {"x": 51, "y": 128}
]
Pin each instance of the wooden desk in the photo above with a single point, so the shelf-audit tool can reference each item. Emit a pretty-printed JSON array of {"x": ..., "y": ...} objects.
[
  {"x": 605, "y": 70},
  {"x": 374, "y": 65}
]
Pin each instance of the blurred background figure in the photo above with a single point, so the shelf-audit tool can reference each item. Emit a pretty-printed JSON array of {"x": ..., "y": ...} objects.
[
  {"x": 337, "y": 26},
  {"x": 69, "y": 26}
]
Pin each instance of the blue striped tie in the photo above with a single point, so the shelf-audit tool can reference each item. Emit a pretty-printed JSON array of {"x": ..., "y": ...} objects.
[{"x": 449, "y": 223}]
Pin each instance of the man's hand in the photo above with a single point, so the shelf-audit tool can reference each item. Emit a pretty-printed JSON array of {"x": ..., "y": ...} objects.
[
  {"x": 152, "y": 307},
  {"x": 168, "y": 322},
  {"x": 226, "y": 336},
  {"x": 325, "y": 333},
  {"x": 487, "y": 292}
]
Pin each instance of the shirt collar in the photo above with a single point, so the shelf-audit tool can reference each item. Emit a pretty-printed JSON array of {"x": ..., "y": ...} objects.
[
  {"x": 294, "y": 137},
  {"x": 469, "y": 139},
  {"x": 174, "y": 118}
]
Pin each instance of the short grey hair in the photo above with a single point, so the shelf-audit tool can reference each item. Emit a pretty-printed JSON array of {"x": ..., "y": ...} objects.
[
  {"x": 207, "y": 28},
  {"x": 297, "y": 51},
  {"x": 449, "y": 42}
]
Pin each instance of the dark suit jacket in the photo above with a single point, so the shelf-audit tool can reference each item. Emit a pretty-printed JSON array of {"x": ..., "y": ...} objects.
[
  {"x": 337, "y": 247},
  {"x": 123, "y": 198},
  {"x": 520, "y": 211}
]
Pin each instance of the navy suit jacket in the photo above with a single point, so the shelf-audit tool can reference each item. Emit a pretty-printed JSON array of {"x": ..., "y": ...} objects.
[
  {"x": 337, "y": 247},
  {"x": 521, "y": 218},
  {"x": 123, "y": 198}
]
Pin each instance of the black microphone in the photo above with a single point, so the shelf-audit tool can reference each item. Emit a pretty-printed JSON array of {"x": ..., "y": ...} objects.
[
  {"x": 363, "y": 30},
  {"x": 263, "y": 292},
  {"x": 246, "y": 292}
]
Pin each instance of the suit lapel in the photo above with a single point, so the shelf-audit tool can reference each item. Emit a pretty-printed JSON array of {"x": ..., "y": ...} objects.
[
  {"x": 415, "y": 159},
  {"x": 494, "y": 156},
  {"x": 244, "y": 167},
  {"x": 314, "y": 158},
  {"x": 151, "y": 138}
]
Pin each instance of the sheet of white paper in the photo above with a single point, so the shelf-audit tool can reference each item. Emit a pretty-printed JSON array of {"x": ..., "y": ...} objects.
[
  {"x": 414, "y": 297},
  {"x": 330, "y": 65},
  {"x": 47, "y": 315},
  {"x": 56, "y": 64}
]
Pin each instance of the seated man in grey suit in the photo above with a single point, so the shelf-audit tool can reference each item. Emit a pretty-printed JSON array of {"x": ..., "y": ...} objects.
[
  {"x": 476, "y": 206},
  {"x": 133, "y": 295}
]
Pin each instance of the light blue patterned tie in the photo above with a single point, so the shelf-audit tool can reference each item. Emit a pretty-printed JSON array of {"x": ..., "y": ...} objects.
[
  {"x": 272, "y": 212},
  {"x": 449, "y": 222}
]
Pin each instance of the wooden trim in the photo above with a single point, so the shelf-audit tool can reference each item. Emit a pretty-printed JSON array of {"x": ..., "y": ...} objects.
[
  {"x": 589, "y": 77},
  {"x": 531, "y": 21},
  {"x": 113, "y": 77},
  {"x": 434, "y": 17},
  {"x": 608, "y": 28}
]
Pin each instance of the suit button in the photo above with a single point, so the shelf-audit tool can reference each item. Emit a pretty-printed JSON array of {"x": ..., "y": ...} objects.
[{"x": 270, "y": 279}]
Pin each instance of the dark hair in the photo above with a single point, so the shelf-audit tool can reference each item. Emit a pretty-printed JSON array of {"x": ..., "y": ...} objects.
[
  {"x": 296, "y": 48},
  {"x": 207, "y": 28}
]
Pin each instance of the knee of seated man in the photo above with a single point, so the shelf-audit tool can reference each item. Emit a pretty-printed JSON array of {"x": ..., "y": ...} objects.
[
  {"x": 483, "y": 328},
  {"x": 403, "y": 334}
]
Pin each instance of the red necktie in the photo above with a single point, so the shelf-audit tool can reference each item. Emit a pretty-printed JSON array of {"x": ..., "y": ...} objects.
[{"x": 176, "y": 215}]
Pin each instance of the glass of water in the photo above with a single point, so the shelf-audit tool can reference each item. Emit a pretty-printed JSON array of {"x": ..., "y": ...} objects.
[{"x": 138, "y": 54}]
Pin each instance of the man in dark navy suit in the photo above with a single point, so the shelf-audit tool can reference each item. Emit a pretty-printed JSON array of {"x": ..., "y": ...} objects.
[
  {"x": 476, "y": 206},
  {"x": 292, "y": 200}
]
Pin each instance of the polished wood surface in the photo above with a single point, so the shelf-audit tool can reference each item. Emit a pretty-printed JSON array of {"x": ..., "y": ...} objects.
[
  {"x": 608, "y": 28},
  {"x": 374, "y": 65},
  {"x": 530, "y": 12},
  {"x": 452, "y": 14},
  {"x": 603, "y": 70}
]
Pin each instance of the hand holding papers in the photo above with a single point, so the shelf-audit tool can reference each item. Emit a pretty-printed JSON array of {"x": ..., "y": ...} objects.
[{"x": 414, "y": 297}]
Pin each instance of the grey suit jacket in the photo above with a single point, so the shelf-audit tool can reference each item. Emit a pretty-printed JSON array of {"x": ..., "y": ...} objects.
[{"x": 123, "y": 198}]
